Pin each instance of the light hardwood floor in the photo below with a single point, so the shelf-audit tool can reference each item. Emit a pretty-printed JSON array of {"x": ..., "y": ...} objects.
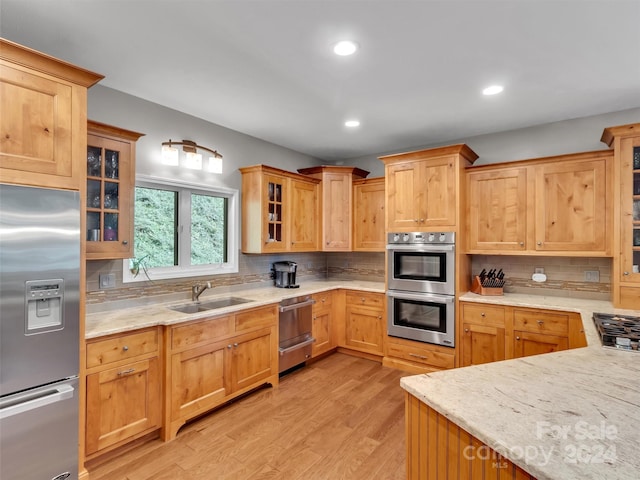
[{"x": 339, "y": 418}]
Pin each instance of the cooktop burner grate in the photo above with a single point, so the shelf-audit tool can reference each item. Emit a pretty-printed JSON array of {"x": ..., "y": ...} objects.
[{"x": 618, "y": 331}]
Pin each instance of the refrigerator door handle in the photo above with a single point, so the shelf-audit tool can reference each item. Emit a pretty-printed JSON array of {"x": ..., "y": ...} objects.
[{"x": 31, "y": 402}]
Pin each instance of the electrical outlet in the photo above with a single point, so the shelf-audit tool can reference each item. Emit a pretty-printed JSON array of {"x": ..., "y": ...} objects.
[
  {"x": 107, "y": 280},
  {"x": 592, "y": 276},
  {"x": 538, "y": 270}
]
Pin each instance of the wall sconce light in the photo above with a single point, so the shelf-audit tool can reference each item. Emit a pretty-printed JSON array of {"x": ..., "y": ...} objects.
[{"x": 192, "y": 159}]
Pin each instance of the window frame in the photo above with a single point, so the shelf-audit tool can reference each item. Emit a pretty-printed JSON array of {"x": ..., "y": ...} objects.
[{"x": 184, "y": 222}]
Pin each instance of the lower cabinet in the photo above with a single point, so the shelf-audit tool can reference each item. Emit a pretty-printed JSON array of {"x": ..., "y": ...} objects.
[
  {"x": 213, "y": 360},
  {"x": 495, "y": 332},
  {"x": 124, "y": 389},
  {"x": 365, "y": 325},
  {"x": 417, "y": 357},
  {"x": 322, "y": 329}
]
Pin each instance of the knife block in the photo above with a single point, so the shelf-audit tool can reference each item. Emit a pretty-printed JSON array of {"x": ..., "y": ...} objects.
[{"x": 476, "y": 287}]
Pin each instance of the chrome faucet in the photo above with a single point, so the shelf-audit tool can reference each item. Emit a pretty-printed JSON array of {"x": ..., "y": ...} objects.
[{"x": 197, "y": 290}]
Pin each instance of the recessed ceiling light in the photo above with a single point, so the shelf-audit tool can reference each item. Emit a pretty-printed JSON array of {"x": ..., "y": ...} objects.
[
  {"x": 352, "y": 123},
  {"x": 346, "y": 47},
  {"x": 493, "y": 89}
]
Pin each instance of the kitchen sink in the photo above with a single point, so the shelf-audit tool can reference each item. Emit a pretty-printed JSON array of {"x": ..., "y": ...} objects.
[{"x": 196, "y": 307}]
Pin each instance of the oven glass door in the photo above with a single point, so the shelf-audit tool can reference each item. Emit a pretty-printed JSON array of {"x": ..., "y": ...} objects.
[
  {"x": 421, "y": 269},
  {"x": 422, "y": 317}
]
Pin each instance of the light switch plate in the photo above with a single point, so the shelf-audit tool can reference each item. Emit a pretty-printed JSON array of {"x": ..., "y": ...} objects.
[{"x": 107, "y": 280}]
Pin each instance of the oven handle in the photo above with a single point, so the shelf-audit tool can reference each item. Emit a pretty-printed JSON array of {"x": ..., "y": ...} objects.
[
  {"x": 297, "y": 305},
  {"x": 296, "y": 346},
  {"x": 421, "y": 248},
  {"x": 421, "y": 296}
]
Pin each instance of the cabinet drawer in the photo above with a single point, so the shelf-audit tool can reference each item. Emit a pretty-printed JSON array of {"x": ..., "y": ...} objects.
[
  {"x": 114, "y": 349},
  {"x": 323, "y": 300},
  {"x": 483, "y": 314},
  {"x": 541, "y": 321},
  {"x": 257, "y": 318},
  {"x": 201, "y": 332},
  {"x": 421, "y": 354},
  {"x": 365, "y": 298}
]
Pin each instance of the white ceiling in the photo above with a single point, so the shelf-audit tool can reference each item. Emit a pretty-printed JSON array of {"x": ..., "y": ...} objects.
[{"x": 265, "y": 67}]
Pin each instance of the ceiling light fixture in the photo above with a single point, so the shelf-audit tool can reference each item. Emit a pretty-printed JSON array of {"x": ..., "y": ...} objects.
[
  {"x": 493, "y": 90},
  {"x": 352, "y": 123},
  {"x": 345, "y": 47},
  {"x": 192, "y": 159}
]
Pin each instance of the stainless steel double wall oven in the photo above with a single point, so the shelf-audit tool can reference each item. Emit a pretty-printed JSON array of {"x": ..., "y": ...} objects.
[{"x": 421, "y": 286}]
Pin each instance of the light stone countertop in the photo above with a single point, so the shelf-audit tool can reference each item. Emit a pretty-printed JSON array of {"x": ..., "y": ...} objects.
[
  {"x": 119, "y": 320},
  {"x": 567, "y": 415}
]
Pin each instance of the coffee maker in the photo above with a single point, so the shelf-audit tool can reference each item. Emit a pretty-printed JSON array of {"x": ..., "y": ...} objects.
[{"x": 284, "y": 274}]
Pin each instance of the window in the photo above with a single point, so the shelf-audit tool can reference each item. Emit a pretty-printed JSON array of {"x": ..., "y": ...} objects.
[{"x": 182, "y": 230}]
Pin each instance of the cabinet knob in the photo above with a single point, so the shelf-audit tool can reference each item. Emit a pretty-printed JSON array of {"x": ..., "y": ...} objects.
[
  {"x": 125, "y": 242},
  {"x": 466, "y": 330},
  {"x": 229, "y": 346},
  {"x": 362, "y": 299},
  {"x": 235, "y": 345},
  {"x": 125, "y": 348},
  {"x": 482, "y": 314},
  {"x": 539, "y": 243},
  {"x": 416, "y": 220},
  {"x": 422, "y": 220},
  {"x": 540, "y": 322},
  {"x": 379, "y": 317},
  {"x": 522, "y": 244},
  {"x": 625, "y": 273},
  {"x": 517, "y": 338}
]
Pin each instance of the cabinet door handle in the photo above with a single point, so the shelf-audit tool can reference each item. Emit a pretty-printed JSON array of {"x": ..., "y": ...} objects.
[
  {"x": 379, "y": 317},
  {"x": 466, "y": 330},
  {"x": 482, "y": 314},
  {"x": 422, "y": 220},
  {"x": 125, "y": 242},
  {"x": 517, "y": 338},
  {"x": 125, "y": 348},
  {"x": 229, "y": 346},
  {"x": 421, "y": 357},
  {"x": 625, "y": 273},
  {"x": 539, "y": 243},
  {"x": 540, "y": 322},
  {"x": 235, "y": 345},
  {"x": 127, "y": 372}
]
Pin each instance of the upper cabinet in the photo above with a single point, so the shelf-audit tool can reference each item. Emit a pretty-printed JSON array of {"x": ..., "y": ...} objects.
[
  {"x": 110, "y": 173},
  {"x": 625, "y": 141},
  {"x": 337, "y": 204},
  {"x": 280, "y": 211},
  {"x": 368, "y": 215},
  {"x": 423, "y": 188},
  {"x": 539, "y": 207},
  {"x": 43, "y": 122}
]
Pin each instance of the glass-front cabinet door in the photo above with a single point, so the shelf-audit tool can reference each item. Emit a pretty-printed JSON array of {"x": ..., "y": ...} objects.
[
  {"x": 110, "y": 185},
  {"x": 275, "y": 203},
  {"x": 631, "y": 209}
]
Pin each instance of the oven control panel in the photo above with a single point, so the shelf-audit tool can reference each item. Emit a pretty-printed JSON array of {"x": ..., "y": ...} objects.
[{"x": 421, "y": 237}]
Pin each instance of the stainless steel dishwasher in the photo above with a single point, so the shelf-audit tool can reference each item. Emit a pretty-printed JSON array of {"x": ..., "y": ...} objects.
[{"x": 295, "y": 331}]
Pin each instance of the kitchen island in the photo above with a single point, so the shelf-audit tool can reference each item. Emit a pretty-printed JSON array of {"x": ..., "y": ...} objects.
[{"x": 564, "y": 415}]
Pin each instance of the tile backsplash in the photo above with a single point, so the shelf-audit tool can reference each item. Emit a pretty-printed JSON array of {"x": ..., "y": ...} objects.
[{"x": 565, "y": 275}]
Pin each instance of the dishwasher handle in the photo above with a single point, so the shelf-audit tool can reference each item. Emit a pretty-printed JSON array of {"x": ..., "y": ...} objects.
[
  {"x": 295, "y": 306},
  {"x": 31, "y": 402},
  {"x": 296, "y": 346}
]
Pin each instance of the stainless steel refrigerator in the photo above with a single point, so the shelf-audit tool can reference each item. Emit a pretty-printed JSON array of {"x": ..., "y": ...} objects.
[{"x": 39, "y": 333}]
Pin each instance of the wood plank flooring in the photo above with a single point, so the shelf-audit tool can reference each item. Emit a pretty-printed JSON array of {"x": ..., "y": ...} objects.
[{"x": 339, "y": 418}]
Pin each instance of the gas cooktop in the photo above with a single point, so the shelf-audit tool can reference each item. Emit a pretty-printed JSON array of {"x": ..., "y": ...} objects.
[{"x": 618, "y": 331}]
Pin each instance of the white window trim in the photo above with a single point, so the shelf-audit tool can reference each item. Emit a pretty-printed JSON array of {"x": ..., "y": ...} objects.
[{"x": 231, "y": 266}]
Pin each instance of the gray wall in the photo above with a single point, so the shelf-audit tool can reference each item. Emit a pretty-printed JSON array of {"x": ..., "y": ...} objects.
[
  {"x": 159, "y": 124},
  {"x": 569, "y": 136}
]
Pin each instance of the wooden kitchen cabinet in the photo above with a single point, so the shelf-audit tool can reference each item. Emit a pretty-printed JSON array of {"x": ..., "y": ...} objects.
[
  {"x": 123, "y": 389},
  {"x": 213, "y": 360},
  {"x": 625, "y": 141},
  {"x": 322, "y": 328},
  {"x": 110, "y": 173},
  {"x": 491, "y": 332},
  {"x": 558, "y": 205},
  {"x": 280, "y": 211},
  {"x": 365, "y": 322},
  {"x": 424, "y": 188},
  {"x": 336, "y": 205},
  {"x": 368, "y": 215},
  {"x": 43, "y": 125},
  {"x": 483, "y": 333},
  {"x": 417, "y": 357}
]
